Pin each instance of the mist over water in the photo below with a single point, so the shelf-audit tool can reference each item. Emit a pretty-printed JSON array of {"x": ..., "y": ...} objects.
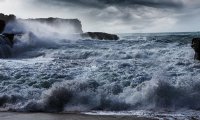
[
  {"x": 36, "y": 36},
  {"x": 59, "y": 73}
]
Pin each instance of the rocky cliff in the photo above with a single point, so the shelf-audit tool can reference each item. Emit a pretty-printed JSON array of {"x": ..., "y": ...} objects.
[
  {"x": 7, "y": 18},
  {"x": 74, "y": 25},
  {"x": 48, "y": 25}
]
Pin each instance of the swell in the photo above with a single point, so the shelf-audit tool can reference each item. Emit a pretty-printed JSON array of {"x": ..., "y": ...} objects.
[
  {"x": 90, "y": 95},
  {"x": 86, "y": 75}
]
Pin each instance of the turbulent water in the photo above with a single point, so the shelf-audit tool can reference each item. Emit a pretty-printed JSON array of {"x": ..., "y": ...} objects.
[{"x": 148, "y": 72}]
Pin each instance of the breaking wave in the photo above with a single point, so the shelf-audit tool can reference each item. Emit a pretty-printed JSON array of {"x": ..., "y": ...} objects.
[
  {"x": 34, "y": 37},
  {"x": 138, "y": 72},
  {"x": 90, "y": 95}
]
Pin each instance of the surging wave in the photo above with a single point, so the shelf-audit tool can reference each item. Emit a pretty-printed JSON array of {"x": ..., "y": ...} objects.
[
  {"x": 152, "y": 74},
  {"x": 34, "y": 37},
  {"x": 90, "y": 95}
]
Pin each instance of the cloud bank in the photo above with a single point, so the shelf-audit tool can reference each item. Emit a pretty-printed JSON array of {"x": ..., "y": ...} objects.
[
  {"x": 124, "y": 3},
  {"x": 118, "y": 16}
]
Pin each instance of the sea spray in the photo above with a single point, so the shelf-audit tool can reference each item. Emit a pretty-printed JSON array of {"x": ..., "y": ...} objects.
[
  {"x": 39, "y": 28},
  {"x": 87, "y": 75},
  {"x": 89, "y": 95},
  {"x": 33, "y": 35}
]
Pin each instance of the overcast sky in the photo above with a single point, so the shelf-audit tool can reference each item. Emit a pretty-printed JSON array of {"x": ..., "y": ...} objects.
[{"x": 115, "y": 16}]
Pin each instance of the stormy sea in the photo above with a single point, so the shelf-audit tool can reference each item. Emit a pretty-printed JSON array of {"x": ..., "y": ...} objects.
[{"x": 152, "y": 75}]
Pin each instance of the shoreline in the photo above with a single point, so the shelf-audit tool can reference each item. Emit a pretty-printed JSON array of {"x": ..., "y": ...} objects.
[{"x": 65, "y": 116}]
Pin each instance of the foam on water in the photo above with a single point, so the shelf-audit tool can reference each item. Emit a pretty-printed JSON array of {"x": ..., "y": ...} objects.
[
  {"x": 160, "y": 115},
  {"x": 63, "y": 74}
]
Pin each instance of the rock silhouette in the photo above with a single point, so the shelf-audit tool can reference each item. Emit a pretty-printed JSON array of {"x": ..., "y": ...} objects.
[
  {"x": 7, "y": 18},
  {"x": 74, "y": 24},
  {"x": 2, "y": 25},
  {"x": 100, "y": 36},
  {"x": 196, "y": 46}
]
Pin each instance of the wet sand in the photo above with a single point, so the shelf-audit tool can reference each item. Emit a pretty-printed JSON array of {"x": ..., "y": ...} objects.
[{"x": 50, "y": 116}]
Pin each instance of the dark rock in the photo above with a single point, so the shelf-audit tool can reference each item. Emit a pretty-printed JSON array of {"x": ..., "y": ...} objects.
[
  {"x": 196, "y": 46},
  {"x": 4, "y": 19},
  {"x": 73, "y": 24},
  {"x": 7, "y": 18},
  {"x": 100, "y": 36},
  {"x": 5, "y": 46},
  {"x": 2, "y": 25},
  {"x": 9, "y": 38}
]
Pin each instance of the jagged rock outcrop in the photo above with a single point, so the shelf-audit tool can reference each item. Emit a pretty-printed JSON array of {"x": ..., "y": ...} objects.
[
  {"x": 7, "y": 18},
  {"x": 11, "y": 26},
  {"x": 74, "y": 25},
  {"x": 100, "y": 36},
  {"x": 61, "y": 25},
  {"x": 2, "y": 25},
  {"x": 4, "y": 19},
  {"x": 196, "y": 46}
]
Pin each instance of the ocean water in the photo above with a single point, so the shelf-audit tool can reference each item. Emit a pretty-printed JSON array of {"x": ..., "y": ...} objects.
[{"x": 153, "y": 75}]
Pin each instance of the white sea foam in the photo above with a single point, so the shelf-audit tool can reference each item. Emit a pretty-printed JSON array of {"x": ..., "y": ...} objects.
[{"x": 52, "y": 75}]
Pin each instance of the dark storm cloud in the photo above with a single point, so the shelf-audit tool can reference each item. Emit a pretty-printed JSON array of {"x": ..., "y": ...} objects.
[
  {"x": 124, "y": 3},
  {"x": 129, "y": 15},
  {"x": 114, "y": 15}
]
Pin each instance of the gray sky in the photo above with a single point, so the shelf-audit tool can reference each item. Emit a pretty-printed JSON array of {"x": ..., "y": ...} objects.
[{"x": 115, "y": 16}]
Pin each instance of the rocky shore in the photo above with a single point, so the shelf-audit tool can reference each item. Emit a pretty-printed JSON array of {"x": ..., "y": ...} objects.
[
  {"x": 15, "y": 24},
  {"x": 74, "y": 24}
]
